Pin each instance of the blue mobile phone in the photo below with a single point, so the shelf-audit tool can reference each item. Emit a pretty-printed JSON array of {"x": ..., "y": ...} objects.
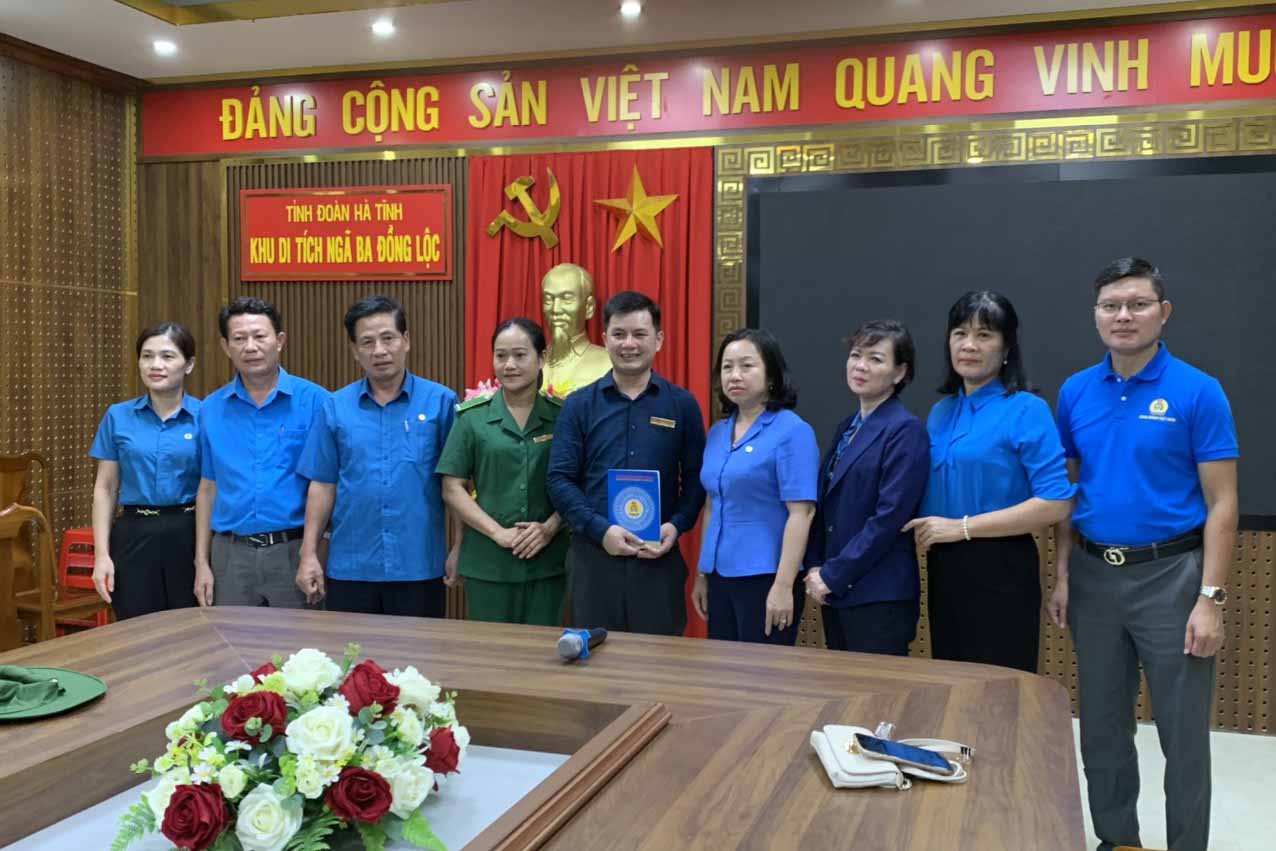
[{"x": 903, "y": 754}]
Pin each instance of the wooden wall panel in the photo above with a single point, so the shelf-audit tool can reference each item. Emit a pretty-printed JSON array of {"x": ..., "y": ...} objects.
[{"x": 67, "y": 299}]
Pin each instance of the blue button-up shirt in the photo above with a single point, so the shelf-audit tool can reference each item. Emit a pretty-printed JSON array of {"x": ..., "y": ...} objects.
[
  {"x": 388, "y": 521},
  {"x": 601, "y": 429},
  {"x": 748, "y": 484},
  {"x": 991, "y": 451},
  {"x": 1139, "y": 441},
  {"x": 159, "y": 459},
  {"x": 251, "y": 453}
]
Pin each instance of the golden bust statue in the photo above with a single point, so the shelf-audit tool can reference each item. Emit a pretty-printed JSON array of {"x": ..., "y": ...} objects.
[{"x": 567, "y": 302}]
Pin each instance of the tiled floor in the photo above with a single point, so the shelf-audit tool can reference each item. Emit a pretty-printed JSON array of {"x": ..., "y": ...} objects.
[{"x": 1244, "y": 804}]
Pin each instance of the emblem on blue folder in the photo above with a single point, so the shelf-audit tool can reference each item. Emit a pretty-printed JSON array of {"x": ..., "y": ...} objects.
[{"x": 633, "y": 498}]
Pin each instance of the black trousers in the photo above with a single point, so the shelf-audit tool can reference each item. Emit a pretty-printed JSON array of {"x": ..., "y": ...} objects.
[
  {"x": 885, "y": 627},
  {"x": 737, "y": 609},
  {"x": 984, "y": 601},
  {"x": 426, "y": 598},
  {"x": 154, "y": 563},
  {"x": 626, "y": 594}
]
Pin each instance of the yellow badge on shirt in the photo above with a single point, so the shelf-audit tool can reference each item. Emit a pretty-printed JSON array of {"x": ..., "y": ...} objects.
[
  {"x": 1159, "y": 407},
  {"x": 664, "y": 423}
]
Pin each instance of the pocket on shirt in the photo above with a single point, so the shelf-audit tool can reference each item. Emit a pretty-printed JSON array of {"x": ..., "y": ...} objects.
[
  {"x": 293, "y": 440},
  {"x": 420, "y": 443}
]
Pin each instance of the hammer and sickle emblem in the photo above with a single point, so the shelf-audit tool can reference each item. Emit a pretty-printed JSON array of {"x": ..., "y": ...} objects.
[
  {"x": 1114, "y": 556},
  {"x": 538, "y": 223}
]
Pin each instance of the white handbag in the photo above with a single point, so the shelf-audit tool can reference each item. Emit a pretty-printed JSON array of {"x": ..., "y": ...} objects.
[{"x": 849, "y": 768}]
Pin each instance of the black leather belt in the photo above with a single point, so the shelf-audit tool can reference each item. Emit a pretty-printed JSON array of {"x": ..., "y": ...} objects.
[
  {"x": 269, "y": 539},
  {"x": 1119, "y": 556},
  {"x": 156, "y": 510}
]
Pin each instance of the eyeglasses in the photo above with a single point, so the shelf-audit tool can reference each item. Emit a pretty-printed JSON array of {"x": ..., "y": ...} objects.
[{"x": 1112, "y": 308}]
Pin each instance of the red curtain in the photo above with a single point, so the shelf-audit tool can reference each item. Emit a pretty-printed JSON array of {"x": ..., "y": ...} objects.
[{"x": 503, "y": 273}]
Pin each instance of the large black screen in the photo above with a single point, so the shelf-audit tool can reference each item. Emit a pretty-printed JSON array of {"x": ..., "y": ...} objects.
[{"x": 828, "y": 252}]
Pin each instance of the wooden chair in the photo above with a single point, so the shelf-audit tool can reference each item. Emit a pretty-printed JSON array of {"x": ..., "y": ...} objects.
[
  {"x": 14, "y": 472},
  {"x": 47, "y": 603}
]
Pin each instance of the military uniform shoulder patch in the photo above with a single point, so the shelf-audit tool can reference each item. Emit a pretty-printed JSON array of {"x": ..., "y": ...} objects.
[
  {"x": 476, "y": 402},
  {"x": 553, "y": 400}
]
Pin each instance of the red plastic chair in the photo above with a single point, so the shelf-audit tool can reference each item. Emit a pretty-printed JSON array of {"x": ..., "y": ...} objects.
[{"x": 75, "y": 571}]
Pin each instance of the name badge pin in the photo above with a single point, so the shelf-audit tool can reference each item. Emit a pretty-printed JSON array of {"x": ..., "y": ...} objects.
[
  {"x": 188, "y": 436},
  {"x": 421, "y": 417},
  {"x": 749, "y": 448}
]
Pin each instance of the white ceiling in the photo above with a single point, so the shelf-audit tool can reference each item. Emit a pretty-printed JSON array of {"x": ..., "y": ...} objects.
[{"x": 116, "y": 36}]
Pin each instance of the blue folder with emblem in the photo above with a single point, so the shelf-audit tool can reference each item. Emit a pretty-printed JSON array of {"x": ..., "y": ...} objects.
[{"x": 633, "y": 502}]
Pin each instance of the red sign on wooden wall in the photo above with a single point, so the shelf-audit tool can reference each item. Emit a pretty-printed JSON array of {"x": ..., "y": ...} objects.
[{"x": 361, "y": 234}]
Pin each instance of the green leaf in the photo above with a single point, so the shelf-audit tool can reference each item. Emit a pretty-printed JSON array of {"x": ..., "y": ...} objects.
[
  {"x": 218, "y": 693},
  {"x": 367, "y": 714},
  {"x": 138, "y": 821},
  {"x": 226, "y": 841},
  {"x": 352, "y": 652},
  {"x": 201, "y": 687},
  {"x": 373, "y": 836},
  {"x": 140, "y": 767},
  {"x": 313, "y": 835},
  {"x": 375, "y": 737},
  {"x": 266, "y": 732},
  {"x": 417, "y": 831},
  {"x": 277, "y": 660}
]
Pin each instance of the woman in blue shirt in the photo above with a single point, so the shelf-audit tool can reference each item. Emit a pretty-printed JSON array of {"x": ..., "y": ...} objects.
[
  {"x": 759, "y": 472},
  {"x": 148, "y": 462},
  {"x": 862, "y": 565},
  {"x": 997, "y": 474}
]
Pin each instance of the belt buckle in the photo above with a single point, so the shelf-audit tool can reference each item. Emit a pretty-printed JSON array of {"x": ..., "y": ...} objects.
[
  {"x": 259, "y": 540},
  {"x": 147, "y": 512},
  {"x": 1114, "y": 556}
]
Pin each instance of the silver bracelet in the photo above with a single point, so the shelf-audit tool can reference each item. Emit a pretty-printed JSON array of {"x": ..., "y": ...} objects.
[{"x": 965, "y": 526}]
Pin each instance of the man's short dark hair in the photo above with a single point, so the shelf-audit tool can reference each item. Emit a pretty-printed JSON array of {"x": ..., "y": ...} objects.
[
  {"x": 247, "y": 304},
  {"x": 1131, "y": 267},
  {"x": 371, "y": 306},
  {"x": 629, "y": 301}
]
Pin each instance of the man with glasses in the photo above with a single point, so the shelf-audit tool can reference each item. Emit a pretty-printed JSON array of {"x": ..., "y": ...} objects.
[
  {"x": 370, "y": 460},
  {"x": 1151, "y": 443}
]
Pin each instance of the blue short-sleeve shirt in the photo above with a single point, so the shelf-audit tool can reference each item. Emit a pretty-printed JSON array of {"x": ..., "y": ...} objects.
[
  {"x": 1139, "y": 441},
  {"x": 159, "y": 459},
  {"x": 251, "y": 453},
  {"x": 748, "y": 484},
  {"x": 991, "y": 451},
  {"x": 388, "y": 521}
]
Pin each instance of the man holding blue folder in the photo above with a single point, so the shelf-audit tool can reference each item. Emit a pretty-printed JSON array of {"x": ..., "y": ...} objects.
[{"x": 630, "y": 419}]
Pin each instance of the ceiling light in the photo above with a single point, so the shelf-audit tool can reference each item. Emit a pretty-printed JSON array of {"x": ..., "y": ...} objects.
[
  {"x": 164, "y": 48},
  {"x": 383, "y": 27},
  {"x": 631, "y": 9}
]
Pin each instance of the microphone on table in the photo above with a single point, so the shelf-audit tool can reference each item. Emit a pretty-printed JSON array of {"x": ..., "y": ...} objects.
[{"x": 576, "y": 643}]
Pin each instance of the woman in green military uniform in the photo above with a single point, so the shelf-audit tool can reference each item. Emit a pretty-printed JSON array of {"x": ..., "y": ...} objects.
[{"x": 515, "y": 544}]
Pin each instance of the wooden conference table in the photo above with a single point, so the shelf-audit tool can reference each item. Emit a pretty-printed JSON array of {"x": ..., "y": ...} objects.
[{"x": 732, "y": 769}]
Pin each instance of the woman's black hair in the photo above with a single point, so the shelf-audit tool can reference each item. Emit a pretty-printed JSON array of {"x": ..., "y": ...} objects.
[
  {"x": 781, "y": 392},
  {"x": 905, "y": 353},
  {"x": 993, "y": 311},
  {"x": 534, "y": 333},
  {"x": 173, "y": 331}
]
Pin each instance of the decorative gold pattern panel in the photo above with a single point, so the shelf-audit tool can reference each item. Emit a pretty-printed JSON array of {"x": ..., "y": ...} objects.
[
  {"x": 1243, "y": 698},
  {"x": 65, "y": 290}
]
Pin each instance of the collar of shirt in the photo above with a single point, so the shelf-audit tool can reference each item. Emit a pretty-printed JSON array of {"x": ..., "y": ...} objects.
[
  {"x": 764, "y": 419},
  {"x": 188, "y": 404},
  {"x": 499, "y": 412},
  {"x": 365, "y": 388},
  {"x": 992, "y": 390},
  {"x": 1151, "y": 371},
  {"x": 608, "y": 382},
  {"x": 284, "y": 385}
]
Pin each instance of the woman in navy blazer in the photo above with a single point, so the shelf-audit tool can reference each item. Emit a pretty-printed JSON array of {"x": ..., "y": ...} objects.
[{"x": 862, "y": 567}]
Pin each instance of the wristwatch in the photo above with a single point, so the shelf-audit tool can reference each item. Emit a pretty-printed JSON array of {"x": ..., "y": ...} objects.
[{"x": 1217, "y": 593}]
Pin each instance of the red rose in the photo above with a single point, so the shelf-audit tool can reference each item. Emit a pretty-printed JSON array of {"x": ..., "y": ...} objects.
[
  {"x": 444, "y": 753},
  {"x": 359, "y": 795},
  {"x": 196, "y": 816},
  {"x": 264, "y": 671},
  {"x": 366, "y": 685},
  {"x": 266, "y": 705}
]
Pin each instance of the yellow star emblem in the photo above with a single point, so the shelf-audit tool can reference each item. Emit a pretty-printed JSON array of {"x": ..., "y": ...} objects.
[{"x": 639, "y": 211}]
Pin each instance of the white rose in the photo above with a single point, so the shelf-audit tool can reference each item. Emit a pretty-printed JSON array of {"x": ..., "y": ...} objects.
[
  {"x": 461, "y": 736},
  {"x": 189, "y": 722},
  {"x": 325, "y": 732},
  {"x": 158, "y": 797},
  {"x": 232, "y": 780},
  {"x": 267, "y": 821},
  {"x": 410, "y": 784},
  {"x": 408, "y": 726},
  {"x": 309, "y": 670},
  {"x": 442, "y": 714},
  {"x": 380, "y": 759},
  {"x": 414, "y": 690},
  {"x": 242, "y": 685}
]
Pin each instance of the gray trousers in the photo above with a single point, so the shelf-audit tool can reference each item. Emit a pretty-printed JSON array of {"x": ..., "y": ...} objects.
[
  {"x": 244, "y": 575},
  {"x": 1121, "y": 618}
]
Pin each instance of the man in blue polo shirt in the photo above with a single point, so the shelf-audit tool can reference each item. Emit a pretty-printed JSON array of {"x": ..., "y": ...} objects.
[
  {"x": 251, "y": 504},
  {"x": 630, "y": 418},
  {"x": 1152, "y": 446},
  {"x": 370, "y": 459}
]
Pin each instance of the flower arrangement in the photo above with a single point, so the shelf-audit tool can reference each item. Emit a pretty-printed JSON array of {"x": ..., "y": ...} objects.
[
  {"x": 487, "y": 387},
  {"x": 289, "y": 757}
]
